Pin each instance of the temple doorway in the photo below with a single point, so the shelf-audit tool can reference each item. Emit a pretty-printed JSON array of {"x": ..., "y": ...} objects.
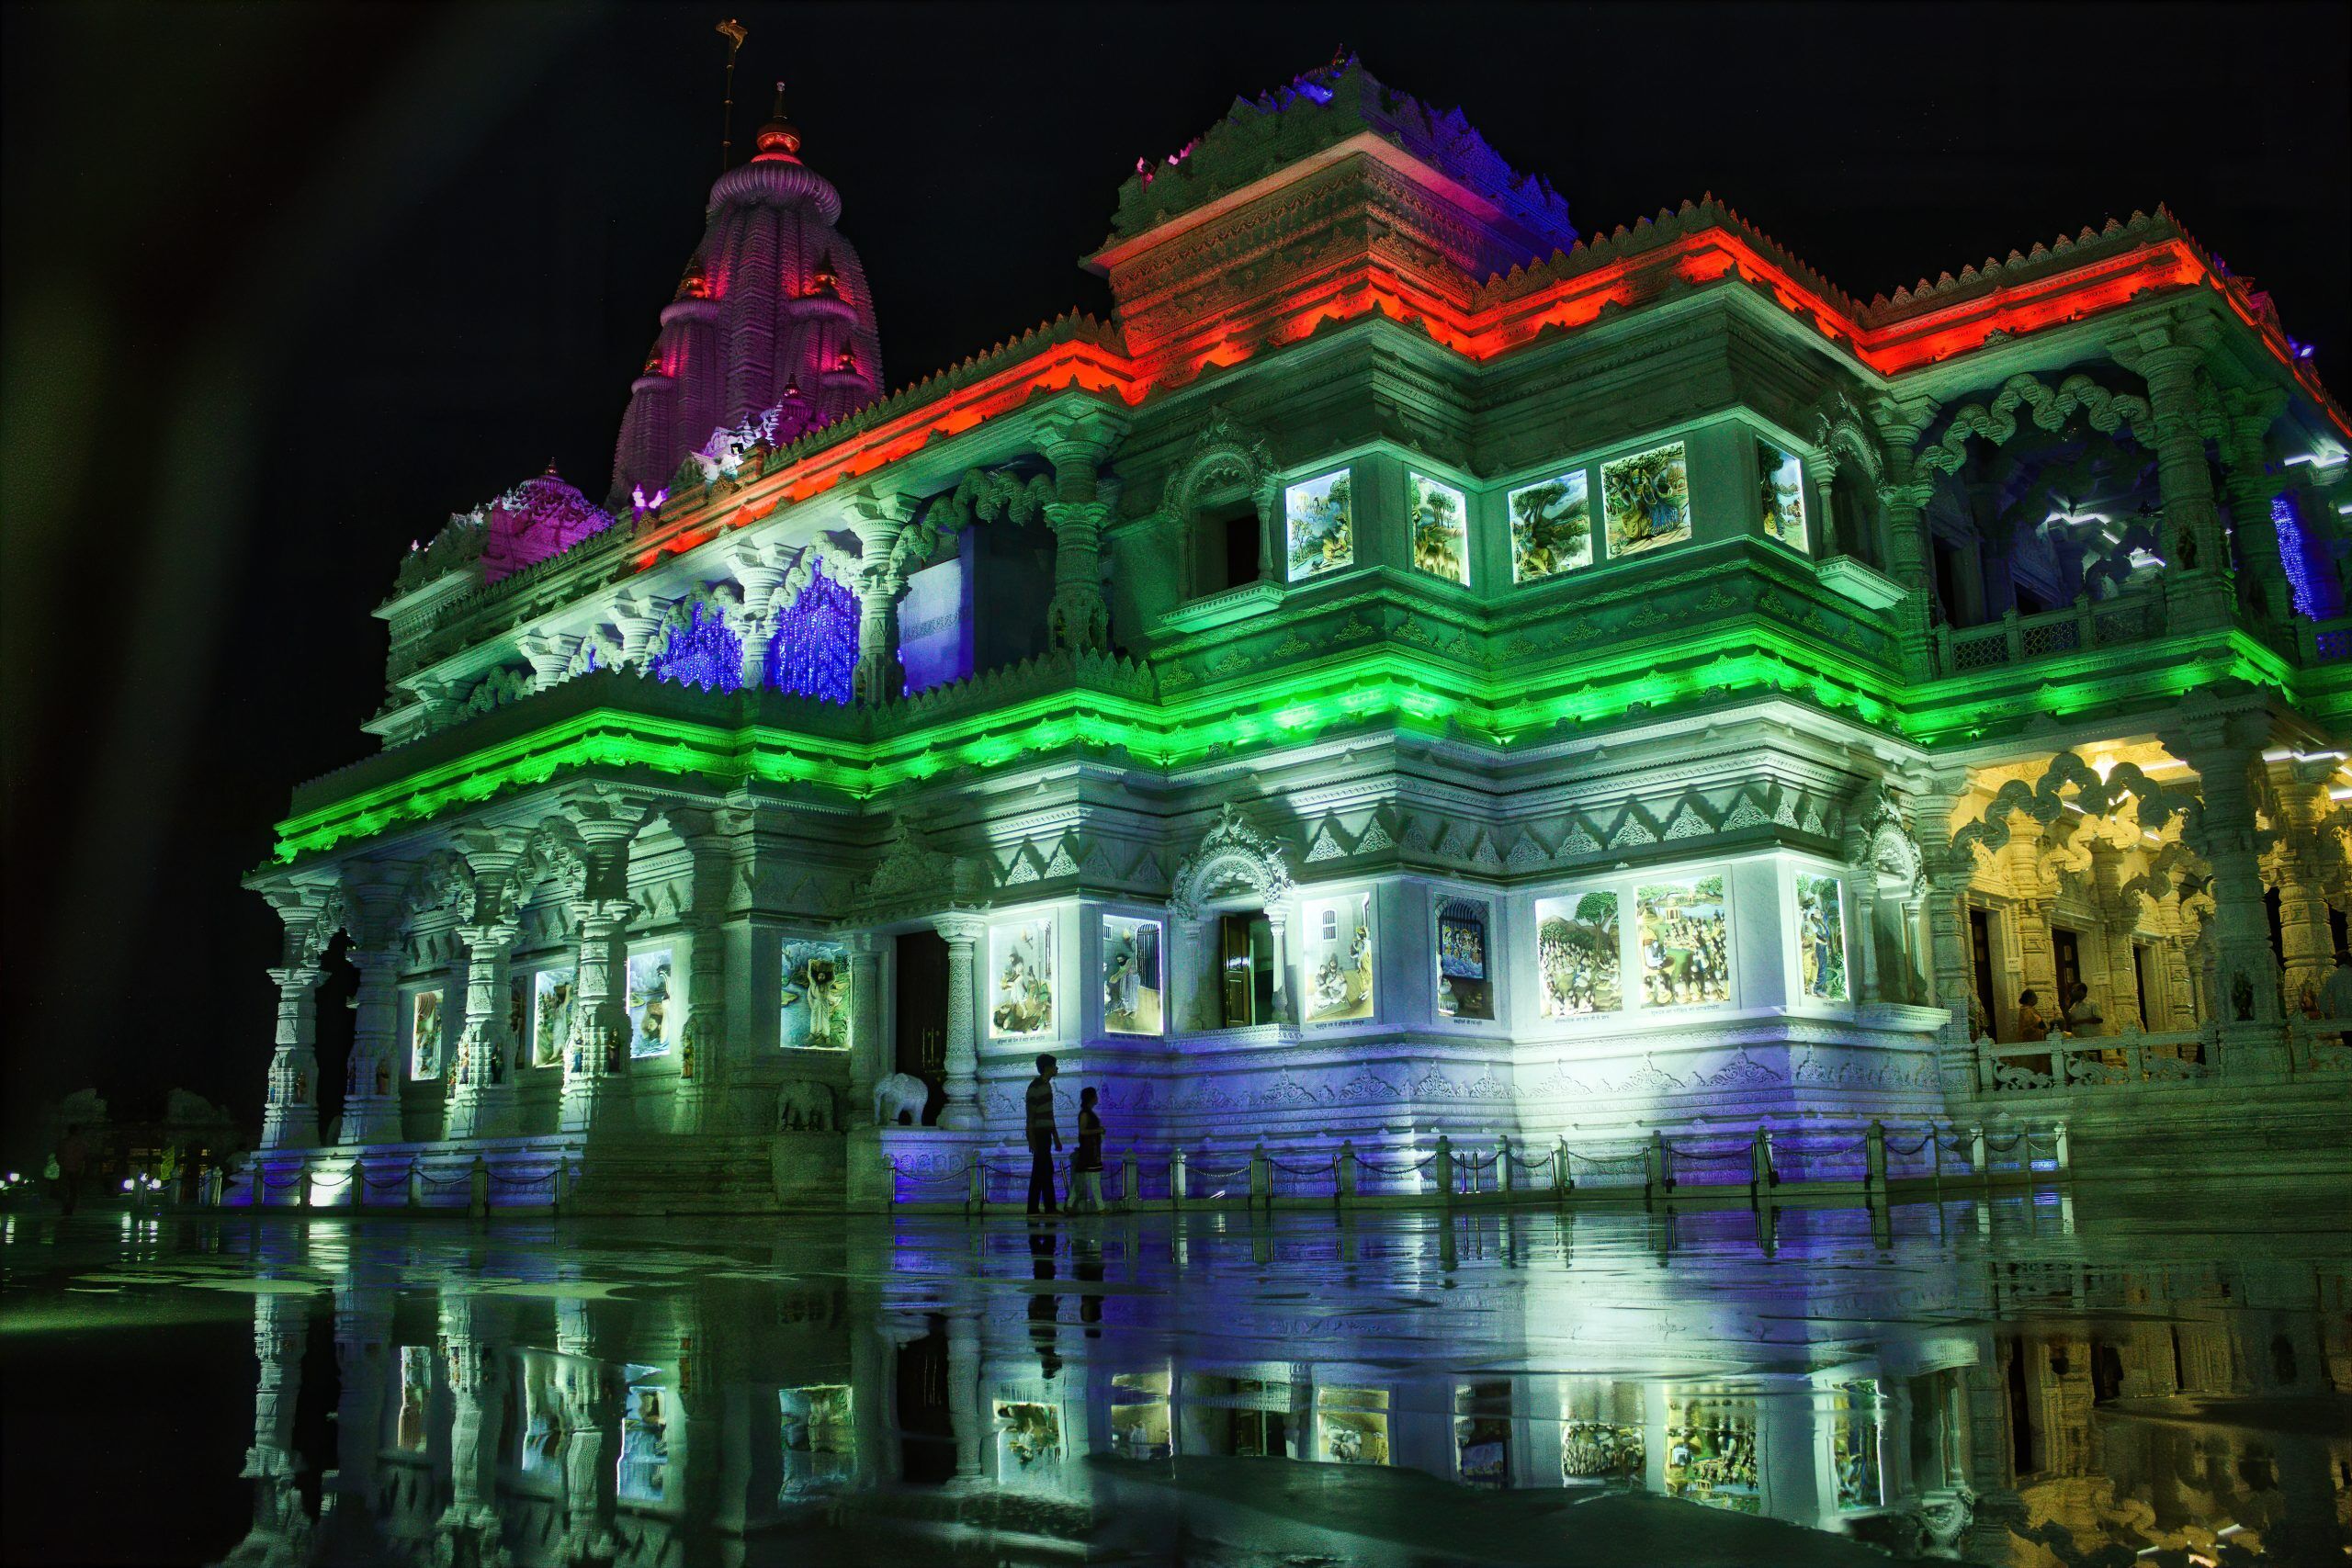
[{"x": 922, "y": 1013}]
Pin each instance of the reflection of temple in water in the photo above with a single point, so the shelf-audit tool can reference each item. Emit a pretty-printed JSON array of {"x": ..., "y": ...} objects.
[{"x": 935, "y": 1394}]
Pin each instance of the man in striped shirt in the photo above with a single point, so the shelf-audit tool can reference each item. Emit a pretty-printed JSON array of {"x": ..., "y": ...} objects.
[{"x": 1044, "y": 1138}]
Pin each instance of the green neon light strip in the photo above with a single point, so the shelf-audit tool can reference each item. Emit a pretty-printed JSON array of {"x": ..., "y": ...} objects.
[{"x": 1376, "y": 684}]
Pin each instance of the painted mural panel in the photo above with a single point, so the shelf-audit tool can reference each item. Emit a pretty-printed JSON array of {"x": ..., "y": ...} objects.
[
  {"x": 652, "y": 1020},
  {"x": 1783, "y": 499},
  {"x": 1576, "y": 955},
  {"x": 1551, "y": 526},
  {"x": 1351, "y": 1424},
  {"x": 1338, "y": 967},
  {"x": 1021, "y": 965},
  {"x": 425, "y": 1028},
  {"x": 1465, "y": 988},
  {"x": 1821, "y": 937},
  {"x": 1440, "y": 529},
  {"x": 815, "y": 1012},
  {"x": 1603, "y": 1435},
  {"x": 1131, "y": 975},
  {"x": 1853, "y": 1444},
  {"x": 1030, "y": 1439},
  {"x": 818, "y": 1456},
  {"x": 642, "y": 1474},
  {"x": 552, "y": 1007},
  {"x": 1646, "y": 501},
  {"x": 1684, "y": 934},
  {"x": 1320, "y": 526},
  {"x": 1711, "y": 1454},
  {"x": 1482, "y": 1434}
]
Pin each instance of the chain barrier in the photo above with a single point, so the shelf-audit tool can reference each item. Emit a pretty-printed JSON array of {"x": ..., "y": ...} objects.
[
  {"x": 1921, "y": 1147},
  {"x": 1414, "y": 1167},
  {"x": 2004, "y": 1148},
  {"x": 1331, "y": 1164}
]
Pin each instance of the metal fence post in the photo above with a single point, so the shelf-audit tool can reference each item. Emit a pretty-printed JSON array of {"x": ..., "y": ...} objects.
[
  {"x": 478, "y": 1189},
  {"x": 1446, "y": 1166},
  {"x": 975, "y": 1199},
  {"x": 1874, "y": 1155},
  {"x": 1261, "y": 1178},
  {"x": 1344, "y": 1186},
  {"x": 556, "y": 1196},
  {"x": 2065, "y": 1152},
  {"x": 1759, "y": 1173},
  {"x": 1503, "y": 1183},
  {"x": 415, "y": 1183},
  {"x": 1976, "y": 1160},
  {"x": 1655, "y": 1182},
  {"x": 1176, "y": 1177}
]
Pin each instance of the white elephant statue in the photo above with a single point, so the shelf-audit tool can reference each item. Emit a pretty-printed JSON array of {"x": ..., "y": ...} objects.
[
  {"x": 900, "y": 1092},
  {"x": 803, "y": 1106}
]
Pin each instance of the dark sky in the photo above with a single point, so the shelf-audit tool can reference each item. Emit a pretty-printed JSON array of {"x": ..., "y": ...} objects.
[{"x": 286, "y": 285}]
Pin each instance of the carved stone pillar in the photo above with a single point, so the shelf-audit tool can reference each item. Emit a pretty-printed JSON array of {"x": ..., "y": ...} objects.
[
  {"x": 2262, "y": 579},
  {"x": 477, "y": 1387},
  {"x": 2119, "y": 920},
  {"x": 2309, "y": 864},
  {"x": 1903, "y": 497},
  {"x": 639, "y": 616},
  {"x": 1077, "y": 442},
  {"x": 2194, "y": 547},
  {"x": 869, "y": 1053},
  {"x": 1824, "y": 470},
  {"x": 1948, "y": 871},
  {"x": 2222, "y": 752},
  {"x": 591, "y": 1438},
  {"x": 2181, "y": 988},
  {"x": 481, "y": 1076},
  {"x": 371, "y": 1102},
  {"x": 761, "y": 577},
  {"x": 551, "y": 657},
  {"x": 962, "y": 931},
  {"x": 363, "y": 1330},
  {"x": 704, "y": 1048},
  {"x": 967, "y": 1413},
  {"x": 596, "y": 1058},
  {"x": 879, "y": 677},
  {"x": 290, "y": 1118},
  {"x": 1191, "y": 970},
  {"x": 1278, "y": 922},
  {"x": 281, "y": 1527}
]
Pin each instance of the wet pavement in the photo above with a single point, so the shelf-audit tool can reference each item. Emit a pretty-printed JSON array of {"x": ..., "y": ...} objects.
[{"x": 2102, "y": 1376}]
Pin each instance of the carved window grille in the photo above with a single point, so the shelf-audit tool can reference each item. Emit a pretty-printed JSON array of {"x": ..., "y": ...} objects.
[
  {"x": 1980, "y": 652},
  {"x": 703, "y": 651},
  {"x": 2053, "y": 637},
  {"x": 814, "y": 650}
]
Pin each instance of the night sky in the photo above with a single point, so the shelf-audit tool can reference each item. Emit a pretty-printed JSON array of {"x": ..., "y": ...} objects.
[{"x": 287, "y": 285}]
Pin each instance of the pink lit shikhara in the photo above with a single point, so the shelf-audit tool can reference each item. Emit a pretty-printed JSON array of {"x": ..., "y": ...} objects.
[
  {"x": 539, "y": 518},
  {"x": 772, "y": 332}
]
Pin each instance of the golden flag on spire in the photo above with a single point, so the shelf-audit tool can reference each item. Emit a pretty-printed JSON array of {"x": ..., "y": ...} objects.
[{"x": 735, "y": 33}]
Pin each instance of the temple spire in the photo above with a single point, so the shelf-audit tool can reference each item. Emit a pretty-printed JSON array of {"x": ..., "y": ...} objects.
[{"x": 779, "y": 139}]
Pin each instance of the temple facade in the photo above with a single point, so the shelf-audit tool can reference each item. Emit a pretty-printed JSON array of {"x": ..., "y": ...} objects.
[{"x": 1418, "y": 669}]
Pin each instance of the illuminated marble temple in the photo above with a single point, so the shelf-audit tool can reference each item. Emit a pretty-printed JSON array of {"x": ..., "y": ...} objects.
[{"x": 1417, "y": 668}]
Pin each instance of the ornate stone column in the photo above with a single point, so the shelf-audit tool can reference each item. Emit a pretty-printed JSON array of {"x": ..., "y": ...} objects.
[
  {"x": 704, "y": 1050},
  {"x": 639, "y": 616},
  {"x": 2223, "y": 751},
  {"x": 371, "y": 1101},
  {"x": 363, "y": 1331},
  {"x": 962, "y": 929},
  {"x": 2195, "y": 549},
  {"x": 1903, "y": 494},
  {"x": 597, "y": 1059},
  {"x": 2032, "y": 903},
  {"x": 550, "y": 656},
  {"x": 1192, "y": 975},
  {"x": 2246, "y": 471},
  {"x": 869, "y": 1055},
  {"x": 1278, "y": 923},
  {"x": 1824, "y": 470},
  {"x": 2119, "y": 920},
  {"x": 965, "y": 1410},
  {"x": 2309, "y": 864},
  {"x": 481, "y": 1078},
  {"x": 476, "y": 1388},
  {"x": 281, "y": 1527},
  {"x": 290, "y": 1117},
  {"x": 761, "y": 576},
  {"x": 592, "y": 1437},
  {"x": 879, "y": 678},
  {"x": 1077, "y": 441},
  {"x": 1948, "y": 870}
]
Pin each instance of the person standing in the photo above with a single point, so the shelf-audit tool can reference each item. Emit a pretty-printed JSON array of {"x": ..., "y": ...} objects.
[
  {"x": 1086, "y": 1166},
  {"x": 73, "y": 1160},
  {"x": 1043, "y": 1138}
]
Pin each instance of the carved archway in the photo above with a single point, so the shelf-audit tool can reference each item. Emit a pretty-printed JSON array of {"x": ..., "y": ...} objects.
[
  {"x": 2046, "y": 801},
  {"x": 1234, "y": 866},
  {"x": 1995, "y": 420},
  {"x": 1225, "y": 454}
]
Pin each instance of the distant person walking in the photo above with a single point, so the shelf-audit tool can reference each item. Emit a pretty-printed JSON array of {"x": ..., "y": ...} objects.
[
  {"x": 1086, "y": 1166},
  {"x": 1044, "y": 1138},
  {"x": 72, "y": 1161}
]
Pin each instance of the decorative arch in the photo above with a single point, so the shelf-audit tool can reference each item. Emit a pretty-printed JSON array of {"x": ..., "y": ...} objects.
[
  {"x": 2155, "y": 804},
  {"x": 1997, "y": 421},
  {"x": 1232, "y": 860},
  {"x": 1877, "y": 839},
  {"x": 555, "y": 852},
  {"x": 598, "y": 649},
  {"x": 441, "y": 880},
  {"x": 1224, "y": 451}
]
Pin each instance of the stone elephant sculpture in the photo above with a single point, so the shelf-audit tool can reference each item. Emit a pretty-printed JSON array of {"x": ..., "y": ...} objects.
[
  {"x": 900, "y": 1093},
  {"x": 802, "y": 1106}
]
